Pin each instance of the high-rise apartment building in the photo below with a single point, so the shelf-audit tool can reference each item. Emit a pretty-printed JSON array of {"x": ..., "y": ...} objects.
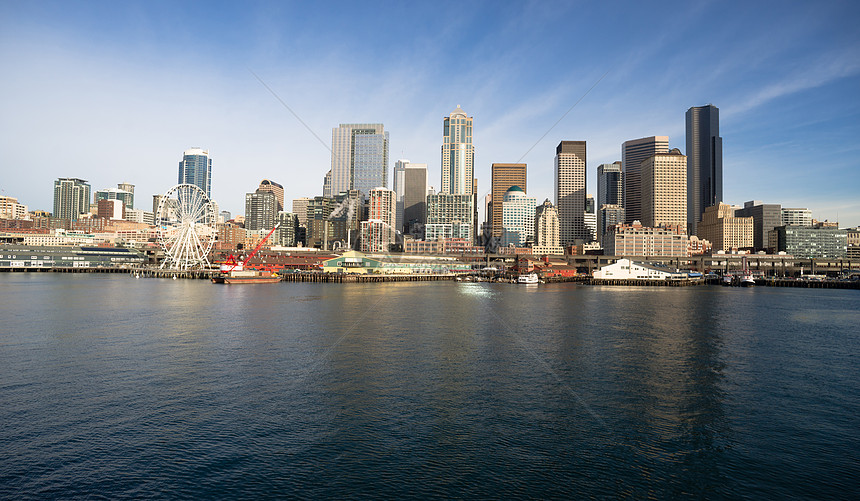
[
  {"x": 765, "y": 218},
  {"x": 570, "y": 191},
  {"x": 458, "y": 153},
  {"x": 664, "y": 189},
  {"x": 377, "y": 233},
  {"x": 504, "y": 176},
  {"x": 359, "y": 158},
  {"x": 704, "y": 162},
  {"x": 196, "y": 168},
  {"x": 128, "y": 188},
  {"x": 277, "y": 189},
  {"x": 632, "y": 154},
  {"x": 260, "y": 210},
  {"x": 285, "y": 235},
  {"x": 518, "y": 217},
  {"x": 449, "y": 216},
  {"x": 381, "y": 205},
  {"x": 71, "y": 198},
  {"x": 318, "y": 212}
]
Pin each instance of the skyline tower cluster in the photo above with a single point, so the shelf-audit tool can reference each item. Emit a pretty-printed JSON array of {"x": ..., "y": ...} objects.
[{"x": 650, "y": 187}]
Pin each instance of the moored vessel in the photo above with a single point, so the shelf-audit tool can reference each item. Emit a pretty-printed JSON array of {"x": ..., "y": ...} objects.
[
  {"x": 530, "y": 278},
  {"x": 234, "y": 272},
  {"x": 246, "y": 277}
]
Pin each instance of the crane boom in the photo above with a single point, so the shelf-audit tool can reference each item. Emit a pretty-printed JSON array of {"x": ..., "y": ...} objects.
[{"x": 257, "y": 248}]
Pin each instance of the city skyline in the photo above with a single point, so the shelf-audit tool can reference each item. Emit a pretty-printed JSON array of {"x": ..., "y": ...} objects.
[{"x": 782, "y": 86}]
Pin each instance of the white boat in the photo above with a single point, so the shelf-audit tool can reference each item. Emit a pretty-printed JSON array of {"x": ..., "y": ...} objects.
[
  {"x": 746, "y": 277},
  {"x": 531, "y": 278},
  {"x": 747, "y": 280}
]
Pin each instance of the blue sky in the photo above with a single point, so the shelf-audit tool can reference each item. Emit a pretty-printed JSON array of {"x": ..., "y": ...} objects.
[{"x": 116, "y": 91}]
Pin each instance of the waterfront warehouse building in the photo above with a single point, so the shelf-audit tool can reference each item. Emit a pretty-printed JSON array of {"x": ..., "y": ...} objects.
[
  {"x": 724, "y": 230},
  {"x": 359, "y": 158},
  {"x": 570, "y": 158},
  {"x": 633, "y": 152},
  {"x": 704, "y": 162},
  {"x": 65, "y": 256},
  {"x": 518, "y": 217},
  {"x": 355, "y": 262},
  {"x": 196, "y": 168},
  {"x": 625, "y": 269},
  {"x": 809, "y": 242}
]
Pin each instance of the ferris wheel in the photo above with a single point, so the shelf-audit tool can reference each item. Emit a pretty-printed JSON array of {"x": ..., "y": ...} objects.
[{"x": 186, "y": 227}]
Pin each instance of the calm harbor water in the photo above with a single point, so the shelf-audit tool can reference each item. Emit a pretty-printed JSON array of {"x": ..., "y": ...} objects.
[{"x": 112, "y": 387}]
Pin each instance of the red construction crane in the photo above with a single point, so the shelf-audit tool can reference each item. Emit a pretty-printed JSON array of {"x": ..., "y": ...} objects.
[{"x": 231, "y": 263}]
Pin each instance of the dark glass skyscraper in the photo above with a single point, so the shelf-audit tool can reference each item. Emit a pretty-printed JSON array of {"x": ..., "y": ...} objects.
[
  {"x": 704, "y": 162},
  {"x": 196, "y": 168},
  {"x": 610, "y": 188}
]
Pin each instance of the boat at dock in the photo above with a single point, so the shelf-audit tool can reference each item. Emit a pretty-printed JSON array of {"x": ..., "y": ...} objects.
[
  {"x": 234, "y": 272},
  {"x": 246, "y": 277},
  {"x": 530, "y": 278}
]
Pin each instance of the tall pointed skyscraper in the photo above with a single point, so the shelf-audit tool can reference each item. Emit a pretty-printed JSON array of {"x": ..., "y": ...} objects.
[
  {"x": 458, "y": 153},
  {"x": 704, "y": 162},
  {"x": 196, "y": 168}
]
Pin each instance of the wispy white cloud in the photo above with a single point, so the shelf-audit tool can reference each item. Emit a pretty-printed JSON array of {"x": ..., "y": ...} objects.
[{"x": 823, "y": 71}]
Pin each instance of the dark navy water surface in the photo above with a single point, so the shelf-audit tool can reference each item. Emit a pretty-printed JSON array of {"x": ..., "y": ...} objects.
[{"x": 112, "y": 387}]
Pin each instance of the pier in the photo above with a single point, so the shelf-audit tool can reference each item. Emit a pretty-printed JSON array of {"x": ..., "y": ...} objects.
[{"x": 362, "y": 278}]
